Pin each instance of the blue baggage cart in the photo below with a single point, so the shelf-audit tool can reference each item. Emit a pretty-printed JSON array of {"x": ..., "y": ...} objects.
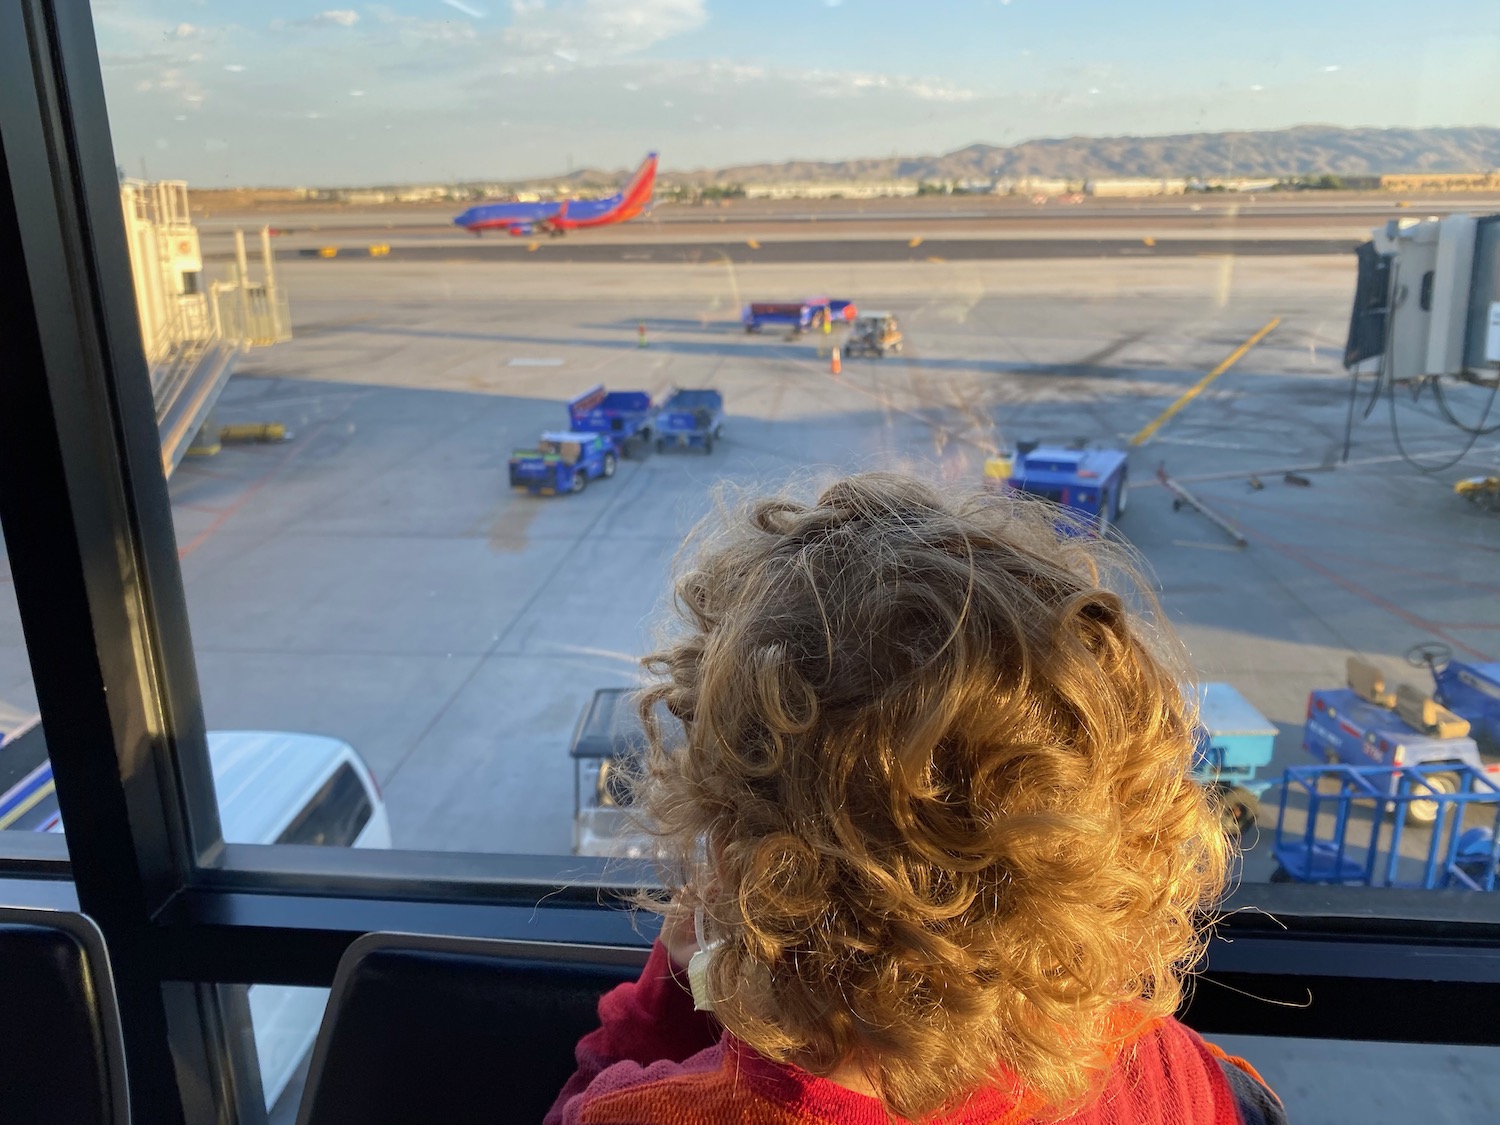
[
  {"x": 690, "y": 419},
  {"x": 1334, "y": 845},
  {"x": 625, "y": 417}
]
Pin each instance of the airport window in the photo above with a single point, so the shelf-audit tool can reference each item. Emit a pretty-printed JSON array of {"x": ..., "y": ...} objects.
[
  {"x": 427, "y": 487},
  {"x": 373, "y": 363}
]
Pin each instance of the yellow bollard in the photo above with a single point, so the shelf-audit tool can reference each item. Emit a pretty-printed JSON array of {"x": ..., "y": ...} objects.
[{"x": 253, "y": 432}]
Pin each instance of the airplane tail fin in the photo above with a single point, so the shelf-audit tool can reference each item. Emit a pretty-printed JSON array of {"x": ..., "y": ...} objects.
[{"x": 637, "y": 192}]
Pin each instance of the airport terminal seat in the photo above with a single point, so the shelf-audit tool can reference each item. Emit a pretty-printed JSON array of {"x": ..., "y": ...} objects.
[
  {"x": 424, "y": 1030},
  {"x": 62, "y": 1055}
]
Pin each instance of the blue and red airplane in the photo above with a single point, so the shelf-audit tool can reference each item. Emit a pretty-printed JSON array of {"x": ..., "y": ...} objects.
[{"x": 558, "y": 216}]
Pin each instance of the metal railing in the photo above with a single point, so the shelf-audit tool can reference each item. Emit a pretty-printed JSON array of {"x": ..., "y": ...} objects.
[{"x": 192, "y": 332}]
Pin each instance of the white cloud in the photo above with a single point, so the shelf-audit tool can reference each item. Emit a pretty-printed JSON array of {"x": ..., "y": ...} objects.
[
  {"x": 467, "y": 9},
  {"x": 413, "y": 30},
  {"x": 175, "y": 83},
  {"x": 846, "y": 84},
  {"x": 334, "y": 17},
  {"x": 1330, "y": 69},
  {"x": 126, "y": 60},
  {"x": 186, "y": 31},
  {"x": 598, "y": 30},
  {"x": 234, "y": 68}
]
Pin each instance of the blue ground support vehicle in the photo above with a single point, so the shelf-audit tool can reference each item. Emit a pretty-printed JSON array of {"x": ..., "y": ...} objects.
[
  {"x": 1235, "y": 741},
  {"x": 1353, "y": 821},
  {"x": 1366, "y": 725},
  {"x": 796, "y": 315},
  {"x": 1470, "y": 690},
  {"x": 625, "y": 417},
  {"x": 562, "y": 462},
  {"x": 689, "y": 418},
  {"x": 1092, "y": 482}
]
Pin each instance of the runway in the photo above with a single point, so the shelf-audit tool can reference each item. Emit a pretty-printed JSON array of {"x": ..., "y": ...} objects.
[{"x": 753, "y": 251}]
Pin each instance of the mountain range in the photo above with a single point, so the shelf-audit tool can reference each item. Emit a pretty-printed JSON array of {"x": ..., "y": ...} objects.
[{"x": 1301, "y": 151}]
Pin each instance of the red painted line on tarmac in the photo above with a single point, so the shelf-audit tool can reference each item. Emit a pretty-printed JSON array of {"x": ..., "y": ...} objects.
[
  {"x": 1428, "y": 575},
  {"x": 203, "y": 536},
  {"x": 1323, "y": 517},
  {"x": 1368, "y": 595}
]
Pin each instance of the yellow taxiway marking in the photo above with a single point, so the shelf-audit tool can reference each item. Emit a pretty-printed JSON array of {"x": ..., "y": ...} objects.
[
  {"x": 1197, "y": 388},
  {"x": 915, "y": 242},
  {"x": 750, "y": 242},
  {"x": 15, "y": 814},
  {"x": 1149, "y": 241}
]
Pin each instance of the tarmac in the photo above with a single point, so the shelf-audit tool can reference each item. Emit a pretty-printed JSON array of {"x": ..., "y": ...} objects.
[{"x": 375, "y": 579}]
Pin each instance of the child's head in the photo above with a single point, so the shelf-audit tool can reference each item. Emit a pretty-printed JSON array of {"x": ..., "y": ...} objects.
[{"x": 936, "y": 773}]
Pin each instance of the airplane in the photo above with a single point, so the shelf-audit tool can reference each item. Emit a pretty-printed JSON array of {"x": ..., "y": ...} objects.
[{"x": 556, "y": 217}]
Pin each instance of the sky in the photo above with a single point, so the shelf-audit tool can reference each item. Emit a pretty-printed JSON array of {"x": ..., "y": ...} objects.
[{"x": 224, "y": 93}]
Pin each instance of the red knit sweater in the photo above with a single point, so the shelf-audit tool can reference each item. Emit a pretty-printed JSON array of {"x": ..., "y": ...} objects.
[{"x": 655, "y": 1061}]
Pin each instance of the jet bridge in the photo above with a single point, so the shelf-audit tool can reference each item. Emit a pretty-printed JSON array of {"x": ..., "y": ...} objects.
[{"x": 193, "y": 330}]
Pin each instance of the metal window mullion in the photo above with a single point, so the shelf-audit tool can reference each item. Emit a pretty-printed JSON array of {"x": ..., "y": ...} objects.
[
  {"x": 166, "y": 661},
  {"x": 88, "y": 525}
]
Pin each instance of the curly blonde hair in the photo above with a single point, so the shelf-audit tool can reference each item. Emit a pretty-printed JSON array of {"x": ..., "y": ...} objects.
[{"x": 933, "y": 796}]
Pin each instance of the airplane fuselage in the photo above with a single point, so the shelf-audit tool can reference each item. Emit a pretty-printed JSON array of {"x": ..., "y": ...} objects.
[{"x": 558, "y": 216}]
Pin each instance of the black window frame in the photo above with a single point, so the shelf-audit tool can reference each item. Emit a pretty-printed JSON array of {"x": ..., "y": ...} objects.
[{"x": 187, "y": 917}]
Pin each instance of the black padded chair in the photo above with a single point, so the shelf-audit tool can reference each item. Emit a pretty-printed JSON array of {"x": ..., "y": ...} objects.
[
  {"x": 62, "y": 1057},
  {"x": 453, "y": 1031}
]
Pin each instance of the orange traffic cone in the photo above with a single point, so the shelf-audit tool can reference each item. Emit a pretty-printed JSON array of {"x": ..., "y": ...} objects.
[{"x": 835, "y": 364}]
